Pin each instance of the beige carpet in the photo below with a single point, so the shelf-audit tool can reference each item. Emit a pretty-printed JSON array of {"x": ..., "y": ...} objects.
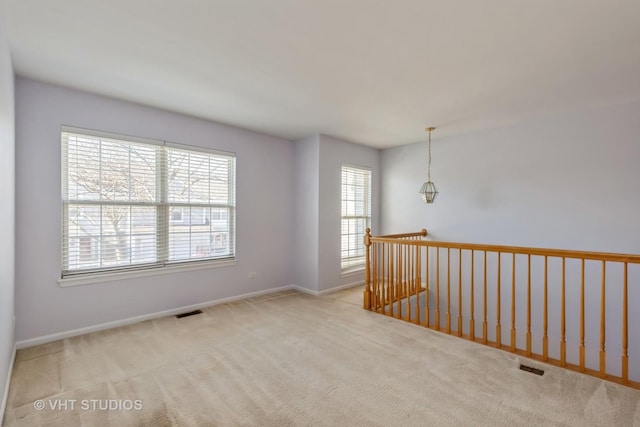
[{"x": 293, "y": 359}]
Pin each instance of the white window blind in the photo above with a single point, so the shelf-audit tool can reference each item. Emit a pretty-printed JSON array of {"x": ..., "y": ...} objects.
[
  {"x": 130, "y": 203},
  {"x": 356, "y": 214}
]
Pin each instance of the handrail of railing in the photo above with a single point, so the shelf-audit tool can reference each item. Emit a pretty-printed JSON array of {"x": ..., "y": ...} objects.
[
  {"x": 523, "y": 250},
  {"x": 421, "y": 233},
  {"x": 394, "y": 283}
]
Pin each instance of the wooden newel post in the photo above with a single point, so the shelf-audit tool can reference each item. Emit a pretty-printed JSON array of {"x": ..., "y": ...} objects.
[{"x": 367, "y": 270}]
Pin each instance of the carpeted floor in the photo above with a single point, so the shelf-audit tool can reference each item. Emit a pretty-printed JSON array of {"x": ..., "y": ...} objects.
[{"x": 293, "y": 359}]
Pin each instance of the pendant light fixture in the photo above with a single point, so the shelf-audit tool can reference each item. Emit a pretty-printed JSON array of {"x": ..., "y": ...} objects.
[{"x": 428, "y": 190}]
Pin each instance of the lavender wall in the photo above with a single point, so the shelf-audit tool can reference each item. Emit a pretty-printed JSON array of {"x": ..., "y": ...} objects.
[
  {"x": 567, "y": 181},
  {"x": 306, "y": 185},
  {"x": 7, "y": 212},
  {"x": 264, "y": 213}
]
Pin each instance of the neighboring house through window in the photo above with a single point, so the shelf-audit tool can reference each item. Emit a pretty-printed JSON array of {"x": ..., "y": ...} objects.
[
  {"x": 356, "y": 215},
  {"x": 130, "y": 203}
]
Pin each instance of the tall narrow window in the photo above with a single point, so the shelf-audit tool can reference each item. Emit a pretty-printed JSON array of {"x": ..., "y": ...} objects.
[
  {"x": 132, "y": 203},
  {"x": 356, "y": 215}
]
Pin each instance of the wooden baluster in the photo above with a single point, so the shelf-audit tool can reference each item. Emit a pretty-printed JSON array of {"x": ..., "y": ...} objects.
[
  {"x": 415, "y": 262},
  {"x": 563, "y": 316},
  {"x": 418, "y": 281},
  {"x": 409, "y": 269},
  {"x": 392, "y": 270},
  {"x": 378, "y": 275},
  {"x": 410, "y": 266},
  {"x": 392, "y": 273},
  {"x": 484, "y": 302},
  {"x": 405, "y": 280},
  {"x": 400, "y": 278},
  {"x": 426, "y": 283},
  {"x": 410, "y": 277},
  {"x": 387, "y": 281},
  {"x": 603, "y": 353},
  {"x": 498, "y": 310},
  {"x": 393, "y": 281},
  {"x": 459, "y": 292},
  {"x": 437, "y": 288},
  {"x": 582, "y": 367},
  {"x": 426, "y": 297},
  {"x": 383, "y": 284},
  {"x": 407, "y": 277},
  {"x": 513, "y": 303},
  {"x": 374, "y": 291},
  {"x": 392, "y": 287},
  {"x": 448, "y": 290},
  {"x": 398, "y": 271},
  {"x": 528, "y": 305},
  {"x": 625, "y": 330},
  {"x": 545, "y": 338},
  {"x": 401, "y": 272},
  {"x": 367, "y": 270},
  {"x": 472, "y": 324},
  {"x": 412, "y": 269},
  {"x": 405, "y": 265}
]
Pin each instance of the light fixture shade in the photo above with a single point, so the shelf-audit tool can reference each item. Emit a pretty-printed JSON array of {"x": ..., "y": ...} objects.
[{"x": 429, "y": 192}]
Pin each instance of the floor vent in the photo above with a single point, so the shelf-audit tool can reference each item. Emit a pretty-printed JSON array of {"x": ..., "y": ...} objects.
[
  {"x": 532, "y": 370},
  {"x": 191, "y": 313}
]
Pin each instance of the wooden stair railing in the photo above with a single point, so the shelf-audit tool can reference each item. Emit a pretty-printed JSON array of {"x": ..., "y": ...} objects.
[{"x": 587, "y": 291}]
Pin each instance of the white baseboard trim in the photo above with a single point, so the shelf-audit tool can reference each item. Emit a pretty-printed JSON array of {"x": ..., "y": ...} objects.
[
  {"x": 31, "y": 342},
  {"x": 5, "y": 395},
  {"x": 305, "y": 290},
  {"x": 117, "y": 323},
  {"x": 326, "y": 291},
  {"x": 342, "y": 287}
]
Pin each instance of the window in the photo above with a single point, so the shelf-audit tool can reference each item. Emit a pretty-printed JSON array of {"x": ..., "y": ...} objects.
[
  {"x": 130, "y": 203},
  {"x": 356, "y": 214}
]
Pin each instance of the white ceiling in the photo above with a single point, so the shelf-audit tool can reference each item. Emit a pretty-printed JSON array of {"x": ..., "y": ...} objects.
[{"x": 369, "y": 71}]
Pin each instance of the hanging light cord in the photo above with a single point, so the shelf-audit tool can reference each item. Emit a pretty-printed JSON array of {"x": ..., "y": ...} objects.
[{"x": 429, "y": 151}]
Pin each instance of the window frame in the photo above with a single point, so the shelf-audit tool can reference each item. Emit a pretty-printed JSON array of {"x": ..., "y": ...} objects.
[
  {"x": 359, "y": 263},
  {"x": 162, "y": 226}
]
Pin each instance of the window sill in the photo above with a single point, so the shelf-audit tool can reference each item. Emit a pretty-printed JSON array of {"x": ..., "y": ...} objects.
[
  {"x": 352, "y": 271},
  {"x": 90, "y": 279}
]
